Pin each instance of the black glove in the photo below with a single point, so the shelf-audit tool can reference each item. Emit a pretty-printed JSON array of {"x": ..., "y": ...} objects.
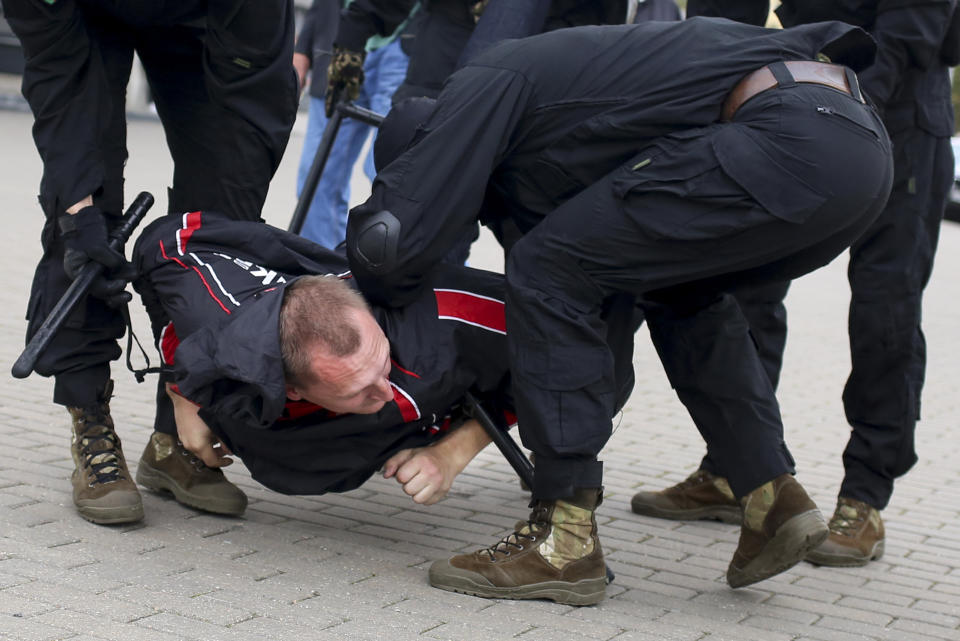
[
  {"x": 345, "y": 74},
  {"x": 85, "y": 239}
]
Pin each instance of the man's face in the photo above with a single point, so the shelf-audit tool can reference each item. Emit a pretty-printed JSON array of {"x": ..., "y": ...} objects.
[{"x": 354, "y": 384}]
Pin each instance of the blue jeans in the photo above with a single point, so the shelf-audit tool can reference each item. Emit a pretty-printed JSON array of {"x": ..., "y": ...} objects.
[{"x": 326, "y": 221}]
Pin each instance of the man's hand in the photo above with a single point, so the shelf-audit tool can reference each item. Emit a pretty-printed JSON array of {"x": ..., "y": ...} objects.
[
  {"x": 301, "y": 64},
  {"x": 195, "y": 435},
  {"x": 424, "y": 474},
  {"x": 85, "y": 239},
  {"x": 345, "y": 75}
]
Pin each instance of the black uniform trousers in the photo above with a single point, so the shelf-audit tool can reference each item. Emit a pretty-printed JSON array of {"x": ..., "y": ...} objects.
[
  {"x": 673, "y": 223},
  {"x": 889, "y": 268},
  {"x": 226, "y": 94}
]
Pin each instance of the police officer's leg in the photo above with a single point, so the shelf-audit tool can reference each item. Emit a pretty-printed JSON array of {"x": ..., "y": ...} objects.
[
  {"x": 889, "y": 268},
  {"x": 702, "y": 343},
  {"x": 79, "y": 355},
  {"x": 248, "y": 47}
]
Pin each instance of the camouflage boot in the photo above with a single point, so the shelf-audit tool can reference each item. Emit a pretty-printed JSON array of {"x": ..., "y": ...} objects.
[
  {"x": 700, "y": 496},
  {"x": 166, "y": 466},
  {"x": 555, "y": 555},
  {"x": 856, "y": 536},
  {"x": 102, "y": 489},
  {"x": 780, "y": 525}
]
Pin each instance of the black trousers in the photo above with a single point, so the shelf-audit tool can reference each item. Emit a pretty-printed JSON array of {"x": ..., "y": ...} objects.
[
  {"x": 677, "y": 216},
  {"x": 890, "y": 265},
  {"x": 226, "y": 125}
]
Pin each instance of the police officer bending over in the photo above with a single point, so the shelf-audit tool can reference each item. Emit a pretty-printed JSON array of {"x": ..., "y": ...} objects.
[{"x": 672, "y": 162}]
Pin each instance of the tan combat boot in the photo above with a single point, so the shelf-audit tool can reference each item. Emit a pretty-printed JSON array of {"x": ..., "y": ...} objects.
[
  {"x": 780, "y": 525},
  {"x": 102, "y": 489},
  {"x": 556, "y": 555},
  {"x": 166, "y": 466},
  {"x": 856, "y": 536},
  {"x": 700, "y": 496}
]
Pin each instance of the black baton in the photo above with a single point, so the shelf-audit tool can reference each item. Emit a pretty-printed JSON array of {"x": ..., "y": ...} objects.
[
  {"x": 343, "y": 109},
  {"x": 79, "y": 288}
]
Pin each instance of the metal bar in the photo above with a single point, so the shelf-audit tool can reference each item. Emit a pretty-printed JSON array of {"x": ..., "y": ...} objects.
[{"x": 342, "y": 110}]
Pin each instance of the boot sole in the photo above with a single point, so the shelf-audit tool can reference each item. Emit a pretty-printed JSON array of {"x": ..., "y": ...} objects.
[
  {"x": 111, "y": 515},
  {"x": 157, "y": 481},
  {"x": 585, "y": 592},
  {"x": 818, "y": 557},
  {"x": 726, "y": 513},
  {"x": 791, "y": 543}
]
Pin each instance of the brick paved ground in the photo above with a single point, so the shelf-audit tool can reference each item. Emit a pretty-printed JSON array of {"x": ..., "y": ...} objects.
[{"x": 353, "y": 566}]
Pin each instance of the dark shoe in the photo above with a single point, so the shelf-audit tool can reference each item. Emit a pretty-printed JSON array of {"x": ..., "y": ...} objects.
[
  {"x": 856, "y": 536},
  {"x": 556, "y": 555},
  {"x": 701, "y": 496},
  {"x": 780, "y": 525},
  {"x": 166, "y": 466},
  {"x": 102, "y": 489}
]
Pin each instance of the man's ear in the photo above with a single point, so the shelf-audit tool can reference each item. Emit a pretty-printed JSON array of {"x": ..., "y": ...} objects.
[{"x": 292, "y": 393}]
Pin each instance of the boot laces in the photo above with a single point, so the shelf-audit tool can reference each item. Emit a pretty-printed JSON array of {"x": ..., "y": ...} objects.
[
  {"x": 847, "y": 520},
  {"x": 99, "y": 446},
  {"x": 527, "y": 532},
  {"x": 695, "y": 479},
  {"x": 192, "y": 459}
]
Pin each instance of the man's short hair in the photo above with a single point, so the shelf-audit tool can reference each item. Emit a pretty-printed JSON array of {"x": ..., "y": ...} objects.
[{"x": 315, "y": 313}]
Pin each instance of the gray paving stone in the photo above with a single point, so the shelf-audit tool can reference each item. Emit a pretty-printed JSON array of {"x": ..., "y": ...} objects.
[{"x": 353, "y": 567}]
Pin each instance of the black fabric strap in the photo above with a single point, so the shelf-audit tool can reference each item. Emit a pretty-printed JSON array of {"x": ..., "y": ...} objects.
[
  {"x": 140, "y": 374},
  {"x": 782, "y": 74}
]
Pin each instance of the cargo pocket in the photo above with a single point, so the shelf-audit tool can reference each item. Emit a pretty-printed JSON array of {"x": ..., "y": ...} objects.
[{"x": 760, "y": 168}]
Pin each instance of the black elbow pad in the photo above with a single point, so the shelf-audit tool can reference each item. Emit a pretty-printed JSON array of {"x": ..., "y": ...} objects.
[{"x": 373, "y": 244}]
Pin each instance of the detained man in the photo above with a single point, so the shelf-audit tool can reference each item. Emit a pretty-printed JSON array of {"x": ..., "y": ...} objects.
[{"x": 272, "y": 355}]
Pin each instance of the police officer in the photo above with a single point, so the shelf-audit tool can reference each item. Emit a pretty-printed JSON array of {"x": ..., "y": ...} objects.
[
  {"x": 889, "y": 268},
  {"x": 225, "y": 90},
  {"x": 637, "y": 179}
]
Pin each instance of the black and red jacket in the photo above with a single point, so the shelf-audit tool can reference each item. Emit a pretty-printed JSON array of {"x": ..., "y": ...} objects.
[{"x": 213, "y": 288}]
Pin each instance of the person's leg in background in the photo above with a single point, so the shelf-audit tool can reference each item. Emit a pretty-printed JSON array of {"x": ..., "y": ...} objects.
[
  {"x": 326, "y": 221},
  {"x": 382, "y": 82},
  {"x": 889, "y": 268},
  {"x": 706, "y": 493}
]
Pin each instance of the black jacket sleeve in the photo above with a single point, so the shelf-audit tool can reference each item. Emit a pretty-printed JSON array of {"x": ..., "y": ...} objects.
[
  {"x": 67, "y": 88},
  {"x": 315, "y": 41},
  {"x": 362, "y": 19},
  {"x": 436, "y": 188},
  {"x": 909, "y": 36}
]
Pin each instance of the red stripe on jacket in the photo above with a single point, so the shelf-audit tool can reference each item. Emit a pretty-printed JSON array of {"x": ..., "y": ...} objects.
[
  {"x": 191, "y": 223},
  {"x": 472, "y": 309},
  {"x": 169, "y": 341},
  {"x": 163, "y": 252}
]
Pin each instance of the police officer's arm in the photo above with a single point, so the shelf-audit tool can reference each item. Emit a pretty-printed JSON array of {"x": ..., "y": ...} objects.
[
  {"x": 362, "y": 19},
  {"x": 66, "y": 86},
  {"x": 909, "y": 34},
  {"x": 427, "y": 473},
  {"x": 424, "y": 201}
]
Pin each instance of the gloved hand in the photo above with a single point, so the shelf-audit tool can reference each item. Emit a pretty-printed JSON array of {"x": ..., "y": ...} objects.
[
  {"x": 85, "y": 239},
  {"x": 345, "y": 74}
]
